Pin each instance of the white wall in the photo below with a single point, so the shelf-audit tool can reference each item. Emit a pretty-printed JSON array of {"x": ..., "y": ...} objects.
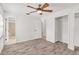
[
  {"x": 27, "y": 28},
  {"x": 76, "y": 41}
]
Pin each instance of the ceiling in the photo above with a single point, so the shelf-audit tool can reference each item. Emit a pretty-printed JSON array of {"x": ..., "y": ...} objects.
[
  {"x": 21, "y": 7},
  {"x": 61, "y": 6}
]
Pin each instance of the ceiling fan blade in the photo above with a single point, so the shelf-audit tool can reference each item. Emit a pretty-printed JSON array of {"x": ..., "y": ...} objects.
[
  {"x": 47, "y": 10},
  {"x": 31, "y": 7},
  {"x": 31, "y": 12},
  {"x": 45, "y": 5}
]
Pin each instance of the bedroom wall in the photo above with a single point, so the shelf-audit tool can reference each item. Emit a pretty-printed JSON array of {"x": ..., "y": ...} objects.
[{"x": 27, "y": 28}]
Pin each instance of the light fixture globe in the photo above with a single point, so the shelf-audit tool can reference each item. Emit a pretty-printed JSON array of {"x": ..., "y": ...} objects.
[{"x": 39, "y": 11}]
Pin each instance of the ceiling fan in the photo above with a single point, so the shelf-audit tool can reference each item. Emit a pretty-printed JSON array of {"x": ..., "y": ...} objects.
[{"x": 40, "y": 9}]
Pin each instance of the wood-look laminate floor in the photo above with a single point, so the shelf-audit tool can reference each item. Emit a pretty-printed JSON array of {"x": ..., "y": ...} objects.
[{"x": 38, "y": 47}]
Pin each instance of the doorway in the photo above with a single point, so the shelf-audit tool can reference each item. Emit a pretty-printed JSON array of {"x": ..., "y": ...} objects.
[
  {"x": 58, "y": 31},
  {"x": 61, "y": 29},
  {"x": 10, "y": 31}
]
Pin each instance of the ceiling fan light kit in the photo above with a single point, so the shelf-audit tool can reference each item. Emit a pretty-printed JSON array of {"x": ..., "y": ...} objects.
[{"x": 40, "y": 9}]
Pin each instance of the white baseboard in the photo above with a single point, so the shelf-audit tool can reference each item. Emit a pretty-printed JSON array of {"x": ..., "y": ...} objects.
[{"x": 77, "y": 45}]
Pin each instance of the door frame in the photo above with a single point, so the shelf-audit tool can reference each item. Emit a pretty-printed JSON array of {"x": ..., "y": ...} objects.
[{"x": 7, "y": 29}]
